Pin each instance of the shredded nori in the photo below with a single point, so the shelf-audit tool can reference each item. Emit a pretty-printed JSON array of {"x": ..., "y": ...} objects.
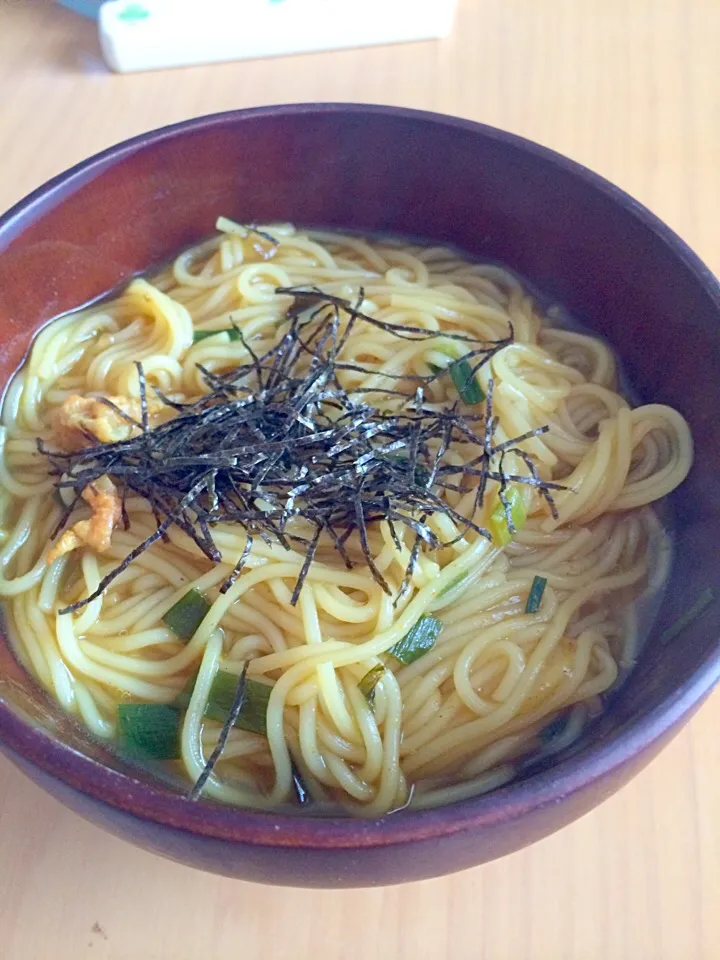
[
  {"x": 234, "y": 712},
  {"x": 252, "y": 228},
  {"x": 278, "y": 438},
  {"x": 302, "y": 792}
]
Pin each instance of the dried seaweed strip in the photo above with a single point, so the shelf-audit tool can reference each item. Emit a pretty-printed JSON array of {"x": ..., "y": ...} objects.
[
  {"x": 391, "y": 525},
  {"x": 296, "y": 446},
  {"x": 237, "y": 704},
  {"x": 142, "y": 384},
  {"x": 410, "y": 569},
  {"x": 509, "y": 444},
  {"x": 133, "y": 555},
  {"x": 339, "y": 542},
  {"x": 361, "y": 523},
  {"x": 107, "y": 402},
  {"x": 252, "y": 228},
  {"x": 65, "y": 515},
  {"x": 309, "y": 557},
  {"x": 309, "y": 296},
  {"x": 504, "y": 499},
  {"x": 237, "y": 569},
  {"x": 544, "y": 486}
]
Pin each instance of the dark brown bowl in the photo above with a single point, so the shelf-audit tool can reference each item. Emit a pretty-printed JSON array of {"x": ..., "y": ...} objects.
[{"x": 579, "y": 239}]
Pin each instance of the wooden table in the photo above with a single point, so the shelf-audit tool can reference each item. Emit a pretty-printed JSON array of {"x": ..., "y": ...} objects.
[{"x": 631, "y": 90}]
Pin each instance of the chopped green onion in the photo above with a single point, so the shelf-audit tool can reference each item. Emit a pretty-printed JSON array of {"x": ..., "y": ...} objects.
[
  {"x": 187, "y": 614},
  {"x": 417, "y": 641},
  {"x": 149, "y": 730},
  {"x": 370, "y": 681},
  {"x": 690, "y": 615},
  {"x": 502, "y": 532},
  {"x": 454, "y": 583},
  {"x": 253, "y": 715},
  {"x": 464, "y": 379},
  {"x": 225, "y": 225},
  {"x": 236, "y": 706},
  {"x": 536, "y": 594},
  {"x": 199, "y": 335},
  {"x": 466, "y": 382}
]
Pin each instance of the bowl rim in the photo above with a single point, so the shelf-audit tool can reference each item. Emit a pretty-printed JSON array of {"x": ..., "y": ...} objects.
[{"x": 151, "y": 801}]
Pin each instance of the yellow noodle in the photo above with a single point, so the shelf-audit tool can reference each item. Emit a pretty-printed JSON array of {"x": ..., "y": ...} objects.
[{"x": 453, "y": 723}]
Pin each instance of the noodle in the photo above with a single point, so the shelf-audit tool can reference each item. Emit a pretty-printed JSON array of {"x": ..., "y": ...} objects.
[{"x": 475, "y": 709}]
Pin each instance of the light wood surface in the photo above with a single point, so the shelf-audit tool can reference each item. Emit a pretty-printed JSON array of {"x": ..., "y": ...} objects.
[{"x": 632, "y": 89}]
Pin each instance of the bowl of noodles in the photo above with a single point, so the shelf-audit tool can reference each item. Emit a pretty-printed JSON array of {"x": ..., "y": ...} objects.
[{"x": 357, "y": 491}]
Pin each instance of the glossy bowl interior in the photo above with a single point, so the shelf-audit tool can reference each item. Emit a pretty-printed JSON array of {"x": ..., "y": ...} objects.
[{"x": 584, "y": 243}]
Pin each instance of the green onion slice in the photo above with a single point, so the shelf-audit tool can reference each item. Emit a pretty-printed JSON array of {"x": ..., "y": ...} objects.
[
  {"x": 461, "y": 578},
  {"x": 536, "y": 594},
  {"x": 370, "y": 681},
  {"x": 199, "y": 335},
  {"x": 498, "y": 525},
  {"x": 253, "y": 716},
  {"x": 466, "y": 382},
  {"x": 417, "y": 641},
  {"x": 187, "y": 614},
  {"x": 149, "y": 731}
]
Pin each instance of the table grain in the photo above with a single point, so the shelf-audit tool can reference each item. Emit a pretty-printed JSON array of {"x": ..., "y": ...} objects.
[{"x": 631, "y": 88}]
